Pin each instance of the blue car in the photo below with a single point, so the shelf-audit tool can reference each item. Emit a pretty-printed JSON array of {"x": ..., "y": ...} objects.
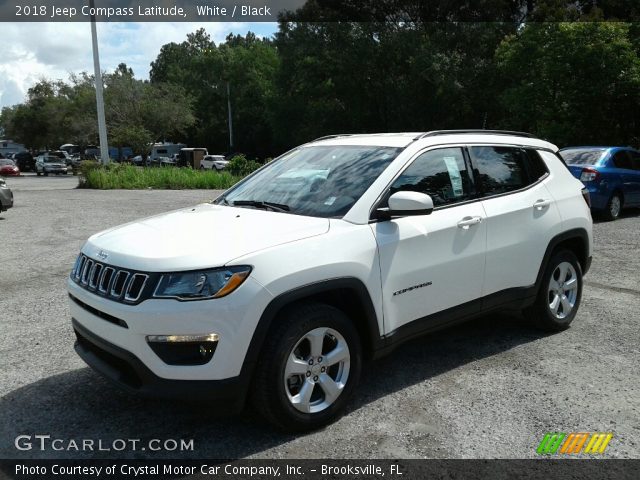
[{"x": 611, "y": 174}]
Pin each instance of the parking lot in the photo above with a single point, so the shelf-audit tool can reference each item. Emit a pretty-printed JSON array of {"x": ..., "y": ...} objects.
[{"x": 490, "y": 389}]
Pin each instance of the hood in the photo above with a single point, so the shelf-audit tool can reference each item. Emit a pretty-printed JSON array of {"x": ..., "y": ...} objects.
[{"x": 199, "y": 237}]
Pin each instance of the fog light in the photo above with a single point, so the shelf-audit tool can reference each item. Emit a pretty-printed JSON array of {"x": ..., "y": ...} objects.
[{"x": 184, "y": 349}]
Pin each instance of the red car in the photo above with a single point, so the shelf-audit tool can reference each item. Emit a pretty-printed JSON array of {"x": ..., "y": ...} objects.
[{"x": 8, "y": 168}]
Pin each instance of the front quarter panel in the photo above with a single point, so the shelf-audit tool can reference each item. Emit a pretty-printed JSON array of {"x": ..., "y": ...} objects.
[{"x": 346, "y": 251}]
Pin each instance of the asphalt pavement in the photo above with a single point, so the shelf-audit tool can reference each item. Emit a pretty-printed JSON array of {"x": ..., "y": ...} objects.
[{"x": 487, "y": 389}]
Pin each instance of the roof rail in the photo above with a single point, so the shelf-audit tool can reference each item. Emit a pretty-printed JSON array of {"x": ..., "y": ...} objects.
[
  {"x": 327, "y": 137},
  {"x": 433, "y": 133}
]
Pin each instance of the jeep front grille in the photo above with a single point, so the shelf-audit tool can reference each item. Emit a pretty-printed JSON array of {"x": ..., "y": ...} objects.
[{"x": 112, "y": 282}]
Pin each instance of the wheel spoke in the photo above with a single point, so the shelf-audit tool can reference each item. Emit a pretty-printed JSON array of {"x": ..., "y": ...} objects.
[
  {"x": 563, "y": 272},
  {"x": 555, "y": 304},
  {"x": 303, "y": 398},
  {"x": 295, "y": 366},
  {"x": 316, "y": 339},
  {"x": 336, "y": 355},
  {"x": 571, "y": 284},
  {"x": 566, "y": 305},
  {"x": 553, "y": 284},
  {"x": 329, "y": 387}
]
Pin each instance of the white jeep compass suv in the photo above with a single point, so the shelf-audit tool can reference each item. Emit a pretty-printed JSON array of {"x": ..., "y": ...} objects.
[{"x": 326, "y": 258}]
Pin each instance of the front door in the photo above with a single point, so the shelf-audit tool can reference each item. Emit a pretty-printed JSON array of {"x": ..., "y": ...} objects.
[{"x": 430, "y": 263}]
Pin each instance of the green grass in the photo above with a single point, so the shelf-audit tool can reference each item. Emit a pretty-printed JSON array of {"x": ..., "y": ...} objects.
[{"x": 128, "y": 177}]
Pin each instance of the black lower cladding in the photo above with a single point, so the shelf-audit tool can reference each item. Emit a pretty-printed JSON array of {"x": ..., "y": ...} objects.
[{"x": 128, "y": 372}]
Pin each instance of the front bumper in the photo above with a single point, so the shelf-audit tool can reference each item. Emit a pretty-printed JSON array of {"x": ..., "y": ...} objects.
[
  {"x": 127, "y": 371},
  {"x": 55, "y": 169},
  {"x": 6, "y": 199},
  {"x": 121, "y": 331}
]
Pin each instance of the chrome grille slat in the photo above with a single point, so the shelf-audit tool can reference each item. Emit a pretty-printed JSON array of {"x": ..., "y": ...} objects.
[
  {"x": 115, "y": 291},
  {"x": 134, "y": 296},
  {"x": 88, "y": 265},
  {"x": 101, "y": 284},
  {"x": 117, "y": 284},
  {"x": 96, "y": 273}
]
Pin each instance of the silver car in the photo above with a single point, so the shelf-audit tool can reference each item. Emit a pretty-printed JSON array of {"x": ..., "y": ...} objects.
[
  {"x": 48, "y": 163},
  {"x": 6, "y": 196}
]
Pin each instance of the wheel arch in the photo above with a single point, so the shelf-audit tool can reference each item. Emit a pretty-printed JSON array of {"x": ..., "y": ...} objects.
[
  {"x": 348, "y": 294},
  {"x": 576, "y": 241}
]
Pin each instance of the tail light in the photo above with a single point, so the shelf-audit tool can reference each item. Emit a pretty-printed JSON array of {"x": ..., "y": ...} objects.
[
  {"x": 589, "y": 175},
  {"x": 586, "y": 196}
]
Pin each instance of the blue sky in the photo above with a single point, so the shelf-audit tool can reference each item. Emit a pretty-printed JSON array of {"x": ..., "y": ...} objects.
[{"x": 31, "y": 51}]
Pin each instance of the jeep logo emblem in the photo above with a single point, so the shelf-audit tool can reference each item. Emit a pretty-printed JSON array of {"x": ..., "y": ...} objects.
[{"x": 103, "y": 255}]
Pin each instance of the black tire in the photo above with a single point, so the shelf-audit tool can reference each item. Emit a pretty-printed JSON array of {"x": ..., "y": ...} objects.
[
  {"x": 38, "y": 173},
  {"x": 46, "y": 174},
  {"x": 614, "y": 207},
  {"x": 541, "y": 312},
  {"x": 270, "y": 396}
]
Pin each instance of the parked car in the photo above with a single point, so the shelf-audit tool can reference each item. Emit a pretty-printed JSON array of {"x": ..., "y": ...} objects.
[
  {"x": 611, "y": 174},
  {"x": 6, "y": 196},
  {"x": 162, "y": 162},
  {"x": 213, "y": 162},
  {"x": 8, "y": 168},
  {"x": 51, "y": 163},
  {"x": 306, "y": 277},
  {"x": 25, "y": 161}
]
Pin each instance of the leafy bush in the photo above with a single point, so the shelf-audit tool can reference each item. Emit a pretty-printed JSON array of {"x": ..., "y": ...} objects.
[
  {"x": 128, "y": 177},
  {"x": 241, "y": 166}
]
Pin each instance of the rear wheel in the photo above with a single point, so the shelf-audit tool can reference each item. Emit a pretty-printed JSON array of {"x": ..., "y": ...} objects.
[
  {"x": 614, "y": 207},
  {"x": 560, "y": 293},
  {"x": 308, "y": 369}
]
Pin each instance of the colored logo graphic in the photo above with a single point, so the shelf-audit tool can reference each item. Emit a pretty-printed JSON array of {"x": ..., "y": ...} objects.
[{"x": 572, "y": 443}]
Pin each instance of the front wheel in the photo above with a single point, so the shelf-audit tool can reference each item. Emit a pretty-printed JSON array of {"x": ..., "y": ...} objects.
[
  {"x": 308, "y": 369},
  {"x": 560, "y": 293}
]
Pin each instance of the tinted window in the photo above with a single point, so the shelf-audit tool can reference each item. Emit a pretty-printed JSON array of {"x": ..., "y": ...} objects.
[
  {"x": 537, "y": 167},
  {"x": 635, "y": 160},
  {"x": 582, "y": 156},
  {"x": 442, "y": 174},
  {"x": 622, "y": 159},
  {"x": 501, "y": 169}
]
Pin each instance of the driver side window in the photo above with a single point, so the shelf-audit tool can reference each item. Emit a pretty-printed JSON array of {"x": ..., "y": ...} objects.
[{"x": 442, "y": 174}]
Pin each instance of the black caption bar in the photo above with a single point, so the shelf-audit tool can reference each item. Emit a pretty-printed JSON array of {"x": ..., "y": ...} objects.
[
  {"x": 404, "y": 11},
  {"x": 146, "y": 10},
  {"x": 319, "y": 469}
]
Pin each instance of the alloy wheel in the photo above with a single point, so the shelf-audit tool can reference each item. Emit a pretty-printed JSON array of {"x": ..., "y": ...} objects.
[
  {"x": 317, "y": 370},
  {"x": 563, "y": 290}
]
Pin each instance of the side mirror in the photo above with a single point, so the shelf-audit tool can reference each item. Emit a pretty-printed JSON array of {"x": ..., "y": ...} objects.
[{"x": 406, "y": 204}]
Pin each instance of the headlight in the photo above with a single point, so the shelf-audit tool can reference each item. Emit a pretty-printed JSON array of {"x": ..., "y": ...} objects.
[{"x": 202, "y": 284}]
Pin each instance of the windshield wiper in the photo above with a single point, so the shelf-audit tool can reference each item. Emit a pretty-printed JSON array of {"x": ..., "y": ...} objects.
[{"x": 276, "y": 207}]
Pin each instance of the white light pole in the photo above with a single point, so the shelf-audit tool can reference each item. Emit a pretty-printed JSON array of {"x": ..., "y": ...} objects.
[
  {"x": 102, "y": 125},
  {"x": 230, "y": 119}
]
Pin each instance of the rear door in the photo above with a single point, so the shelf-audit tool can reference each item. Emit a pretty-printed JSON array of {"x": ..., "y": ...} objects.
[{"x": 521, "y": 215}]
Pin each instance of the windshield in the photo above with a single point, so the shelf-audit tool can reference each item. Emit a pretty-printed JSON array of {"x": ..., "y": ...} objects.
[
  {"x": 52, "y": 160},
  {"x": 583, "y": 156},
  {"x": 320, "y": 181},
  {"x": 6, "y": 162}
]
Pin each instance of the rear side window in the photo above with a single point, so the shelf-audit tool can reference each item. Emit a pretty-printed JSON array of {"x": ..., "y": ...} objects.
[
  {"x": 442, "y": 174},
  {"x": 622, "y": 159},
  {"x": 635, "y": 160},
  {"x": 500, "y": 169},
  {"x": 537, "y": 167}
]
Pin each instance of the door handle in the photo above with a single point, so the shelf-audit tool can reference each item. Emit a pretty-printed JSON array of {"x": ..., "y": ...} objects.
[
  {"x": 466, "y": 222},
  {"x": 540, "y": 204}
]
